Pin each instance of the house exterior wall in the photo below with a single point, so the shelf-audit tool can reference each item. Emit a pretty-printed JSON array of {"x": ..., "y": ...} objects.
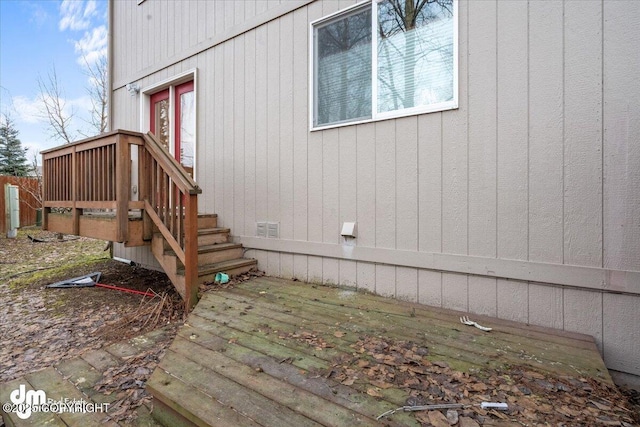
[{"x": 523, "y": 203}]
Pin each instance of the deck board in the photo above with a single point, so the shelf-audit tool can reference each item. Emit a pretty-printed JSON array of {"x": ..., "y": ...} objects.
[{"x": 267, "y": 350}]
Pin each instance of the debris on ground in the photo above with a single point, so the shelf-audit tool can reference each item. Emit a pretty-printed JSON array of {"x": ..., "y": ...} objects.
[
  {"x": 378, "y": 364},
  {"x": 232, "y": 281},
  {"x": 41, "y": 327},
  {"x": 151, "y": 313},
  {"x": 127, "y": 381}
]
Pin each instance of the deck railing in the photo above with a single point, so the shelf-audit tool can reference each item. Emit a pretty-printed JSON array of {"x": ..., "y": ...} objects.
[
  {"x": 96, "y": 173},
  {"x": 171, "y": 202}
]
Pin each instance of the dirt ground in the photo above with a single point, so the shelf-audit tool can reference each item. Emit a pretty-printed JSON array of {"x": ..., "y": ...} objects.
[{"x": 40, "y": 326}]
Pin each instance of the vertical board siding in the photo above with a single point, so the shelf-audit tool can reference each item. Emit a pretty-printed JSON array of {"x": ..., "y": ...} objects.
[
  {"x": 455, "y": 152},
  {"x": 539, "y": 162},
  {"x": 583, "y": 133},
  {"x": 239, "y": 172},
  {"x": 621, "y": 130},
  {"x": 385, "y": 188},
  {"x": 286, "y": 128},
  {"x": 330, "y": 185},
  {"x": 366, "y": 184},
  {"x": 273, "y": 106},
  {"x": 249, "y": 124},
  {"x": 482, "y": 152},
  {"x": 546, "y": 221},
  {"x": 621, "y": 334},
  {"x": 300, "y": 117},
  {"x": 429, "y": 182},
  {"x": 227, "y": 163},
  {"x": 152, "y": 32},
  {"x": 406, "y": 168},
  {"x": 512, "y": 126}
]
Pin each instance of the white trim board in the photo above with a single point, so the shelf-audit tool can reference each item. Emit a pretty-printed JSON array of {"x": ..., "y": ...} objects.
[{"x": 599, "y": 279}]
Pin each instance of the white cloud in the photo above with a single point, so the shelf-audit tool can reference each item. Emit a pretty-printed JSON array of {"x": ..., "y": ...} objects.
[
  {"x": 92, "y": 46},
  {"x": 76, "y": 15},
  {"x": 38, "y": 14},
  {"x": 28, "y": 110}
]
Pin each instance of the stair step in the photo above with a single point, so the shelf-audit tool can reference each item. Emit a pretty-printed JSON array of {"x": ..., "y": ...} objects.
[
  {"x": 211, "y": 254},
  {"x": 212, "y": 236},
  {"x": 207, "y": 221},
  {"x": 207, "y": 273}
]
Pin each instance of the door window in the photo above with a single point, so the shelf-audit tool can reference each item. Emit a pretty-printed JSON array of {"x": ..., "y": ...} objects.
[{"x": 177, "y": 137}]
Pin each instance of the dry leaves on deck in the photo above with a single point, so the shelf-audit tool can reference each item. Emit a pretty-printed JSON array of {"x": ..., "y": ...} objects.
[{"x": 379, "y": 364}]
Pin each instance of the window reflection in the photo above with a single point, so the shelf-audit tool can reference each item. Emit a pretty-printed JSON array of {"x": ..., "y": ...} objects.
[{"x": 415, "y": 53}]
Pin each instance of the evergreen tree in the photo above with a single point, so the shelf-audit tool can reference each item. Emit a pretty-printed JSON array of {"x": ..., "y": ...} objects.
[{"x": 13, "y": 158}]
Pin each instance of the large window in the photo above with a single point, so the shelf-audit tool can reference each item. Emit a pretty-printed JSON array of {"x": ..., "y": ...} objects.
[{"x": 384, "y": 59}]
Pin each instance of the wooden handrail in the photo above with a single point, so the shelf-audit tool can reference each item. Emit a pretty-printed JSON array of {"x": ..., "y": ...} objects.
[
  {"x": 175, "y": 170},
  {"x": 171, "y": 203},
  {"x": 96, "y": 173}
]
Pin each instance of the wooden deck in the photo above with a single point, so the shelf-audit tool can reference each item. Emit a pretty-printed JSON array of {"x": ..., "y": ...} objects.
[{"x": 281, "y": 353}]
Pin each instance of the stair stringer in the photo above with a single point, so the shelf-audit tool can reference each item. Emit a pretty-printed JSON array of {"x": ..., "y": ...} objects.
[{"x": 169, "y": 263}]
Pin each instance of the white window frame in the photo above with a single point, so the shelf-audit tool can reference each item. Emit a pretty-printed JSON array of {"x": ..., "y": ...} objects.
[{"x": 375, "y": 116}]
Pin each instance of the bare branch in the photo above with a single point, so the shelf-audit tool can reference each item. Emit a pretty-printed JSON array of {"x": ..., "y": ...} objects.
[
  {"x": 53, "y": 102},
  {"x": 97, "y": 90}
]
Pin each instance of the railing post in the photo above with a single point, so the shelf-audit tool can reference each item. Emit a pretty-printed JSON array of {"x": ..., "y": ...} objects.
[
  {"x": 75, "y": 212},
  {"x": 144, "y": 189},
  {"x": 191, "y": 250},
  {"x": 45, "y": 183},
  {"x": 123, "y": 185}
]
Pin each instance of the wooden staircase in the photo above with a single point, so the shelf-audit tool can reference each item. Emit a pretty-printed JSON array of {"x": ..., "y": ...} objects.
[
  {"x": 96, "y": 173},
  {"x": 216, "y": 254}
]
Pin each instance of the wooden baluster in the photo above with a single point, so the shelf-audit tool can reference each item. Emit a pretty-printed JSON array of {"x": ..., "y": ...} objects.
[{"x": 191, "y": 251}]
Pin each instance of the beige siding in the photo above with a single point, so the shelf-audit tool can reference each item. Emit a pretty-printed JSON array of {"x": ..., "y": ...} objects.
[
  {"x": 523, "y": 203},
  {"x": 621, "y": 150},
  {"x": 546, "y": 127}
]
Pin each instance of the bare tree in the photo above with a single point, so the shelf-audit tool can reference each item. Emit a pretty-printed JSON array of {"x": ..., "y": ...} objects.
[
  {"x": 34, "y": 188},
  {"x": 97, "y": 90},
  {"x": 54, "y": 106}
]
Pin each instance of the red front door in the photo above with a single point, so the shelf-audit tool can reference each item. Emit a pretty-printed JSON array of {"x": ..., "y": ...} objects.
[{"x": 183, "y": 141}]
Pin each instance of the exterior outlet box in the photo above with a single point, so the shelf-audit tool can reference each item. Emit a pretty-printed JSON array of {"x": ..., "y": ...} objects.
[{"x": 348, "y": 229}]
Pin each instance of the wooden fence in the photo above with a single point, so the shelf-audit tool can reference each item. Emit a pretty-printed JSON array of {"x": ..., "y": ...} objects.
[{"x": 28, "y": 203}]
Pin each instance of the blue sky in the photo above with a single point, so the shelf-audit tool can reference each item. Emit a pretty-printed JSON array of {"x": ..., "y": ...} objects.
[{"x": 35, "y": 36}]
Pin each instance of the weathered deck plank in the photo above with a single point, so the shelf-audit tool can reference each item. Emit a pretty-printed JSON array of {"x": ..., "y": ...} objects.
[
  {"x": 289, "y": 371},
  {"x": 50, "y": 379},
  {"x": 271, "y": 343},
  {"x": 464, "y": 347}
]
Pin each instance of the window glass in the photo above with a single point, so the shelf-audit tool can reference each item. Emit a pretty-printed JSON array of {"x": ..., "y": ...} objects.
[
  {"x": 343, "y": 68},
  {"x": 408, "y": 68},
  {"x": 161, "y": 111},
  {"x": 187, "y": 128},
  {"x": 415, "y": 53}
]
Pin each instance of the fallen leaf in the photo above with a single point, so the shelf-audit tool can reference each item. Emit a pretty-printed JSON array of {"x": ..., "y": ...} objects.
[
  {"x": 437, "y": 419},
  {"x": 373, "y": 392}
]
